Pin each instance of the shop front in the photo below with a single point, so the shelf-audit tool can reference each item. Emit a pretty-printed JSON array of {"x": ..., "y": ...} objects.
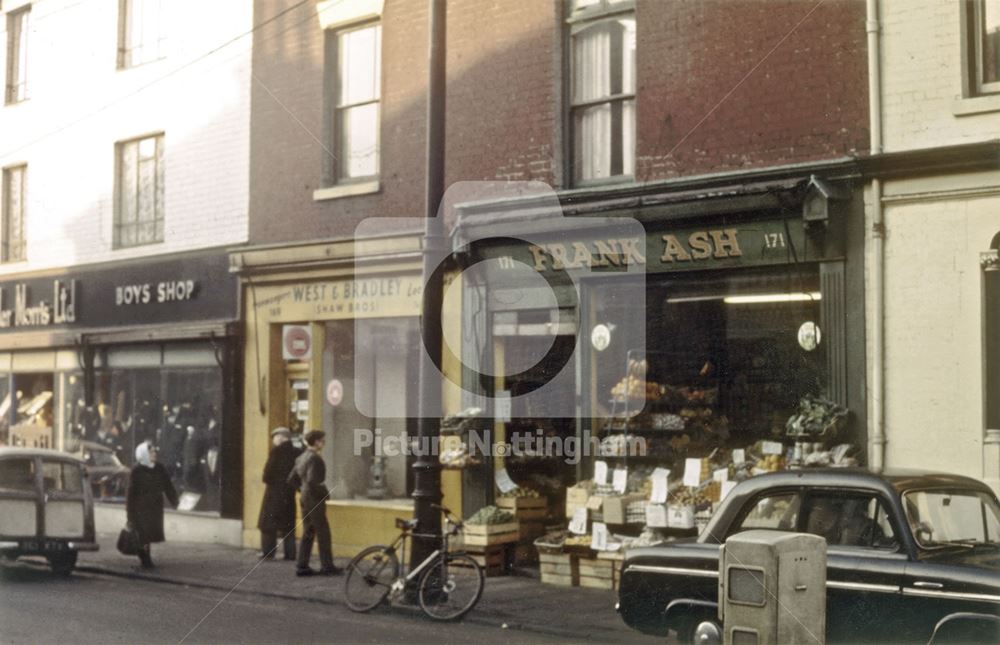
[
  {"x": 94, "y": 361},
  {"x": 700, "y": 351},
  {"x": 333, "y": 343}
]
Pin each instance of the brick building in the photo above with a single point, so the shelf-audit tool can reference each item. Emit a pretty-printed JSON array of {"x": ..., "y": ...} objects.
[
  {"x": 124, "y": 148},
  {"x": 725, "y": 121}
]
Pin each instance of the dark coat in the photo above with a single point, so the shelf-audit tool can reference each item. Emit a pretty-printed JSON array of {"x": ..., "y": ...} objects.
[
  {"x": 310, "y": 475},
  {"x": 144, "y": 503},
  {"x": 277, "y": 511}
]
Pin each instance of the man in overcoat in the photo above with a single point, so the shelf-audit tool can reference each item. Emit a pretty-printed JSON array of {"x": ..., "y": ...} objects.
[
  {"x": 310, "y": 475},
  {"x": 277, "y": 511}
]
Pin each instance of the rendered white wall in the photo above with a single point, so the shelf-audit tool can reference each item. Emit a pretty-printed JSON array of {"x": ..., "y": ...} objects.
[{"x": 80, "y": 104}]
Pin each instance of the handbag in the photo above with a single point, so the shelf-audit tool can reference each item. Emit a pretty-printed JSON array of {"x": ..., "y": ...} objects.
[{"x": 128, "y": 541}]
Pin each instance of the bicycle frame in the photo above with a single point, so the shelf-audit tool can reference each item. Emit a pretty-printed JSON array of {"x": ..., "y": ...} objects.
[{"x": 400, "y": 544}]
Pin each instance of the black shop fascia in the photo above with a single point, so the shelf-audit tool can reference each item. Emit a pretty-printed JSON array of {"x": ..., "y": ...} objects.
[{"x": 95, "y": 360}]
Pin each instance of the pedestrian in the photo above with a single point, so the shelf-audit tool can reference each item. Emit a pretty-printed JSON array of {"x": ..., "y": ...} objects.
[
  {"x": 147, "y": 485},
  {"x": 310, "y": 475},
  {"x": 277, "y": 511}
]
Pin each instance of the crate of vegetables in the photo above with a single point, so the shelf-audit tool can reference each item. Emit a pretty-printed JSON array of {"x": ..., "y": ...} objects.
[{"x": 490, "y": 525}]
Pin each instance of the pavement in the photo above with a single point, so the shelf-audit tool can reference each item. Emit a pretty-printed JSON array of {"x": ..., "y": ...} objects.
[{"x": 510, "y": 602}]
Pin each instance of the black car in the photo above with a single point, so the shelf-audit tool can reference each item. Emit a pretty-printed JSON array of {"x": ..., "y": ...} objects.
[{"x": 906, "y": 550}]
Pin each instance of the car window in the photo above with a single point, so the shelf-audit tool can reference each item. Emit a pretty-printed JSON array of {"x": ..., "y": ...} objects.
[
  {"x": 61, "y": 476},
  {"x": 17, "y": 474},
  {"x": 941, "y": 517},
  {"x": 774, "y": 511},
  {"x": 849, "y": 520}
]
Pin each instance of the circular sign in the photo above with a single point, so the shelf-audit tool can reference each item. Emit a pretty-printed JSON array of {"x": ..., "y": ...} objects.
[
  {"x": 600, "y": 337},
  {"x": 809, "y": 336},
  {"x": 334, "y": 392},
  {"x": 297, "y": 342}
]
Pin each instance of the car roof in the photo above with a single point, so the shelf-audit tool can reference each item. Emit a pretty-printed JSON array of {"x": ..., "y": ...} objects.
[
  {"x": 36, "y": 452},
  {"x": 899, "y": 480}
]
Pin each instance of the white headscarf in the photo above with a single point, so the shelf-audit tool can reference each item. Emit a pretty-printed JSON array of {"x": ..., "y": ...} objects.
[{"x": 142, "y": 454}]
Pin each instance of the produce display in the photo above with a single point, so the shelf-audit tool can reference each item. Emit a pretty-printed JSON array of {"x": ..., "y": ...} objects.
[
  {"x": 491, "y": 515},
  {"x": 521, "y": 491}
]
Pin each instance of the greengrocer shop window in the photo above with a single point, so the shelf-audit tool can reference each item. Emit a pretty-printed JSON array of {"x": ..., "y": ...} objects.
[{"x": 730, "y": 340}]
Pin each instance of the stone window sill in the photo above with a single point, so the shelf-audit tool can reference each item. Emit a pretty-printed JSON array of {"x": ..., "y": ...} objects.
[
  {"x": 976, "y": 105},
  {"x": 346, "y": 190}
]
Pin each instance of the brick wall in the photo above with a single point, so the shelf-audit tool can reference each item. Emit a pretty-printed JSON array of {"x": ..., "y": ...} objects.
[{"x": 505, "y": 121}]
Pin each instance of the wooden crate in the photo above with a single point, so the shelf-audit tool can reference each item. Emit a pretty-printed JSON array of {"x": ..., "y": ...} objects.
[
  {"x": 616, "y": 558},
  {"x": 596, "y": 573},
  {"x": 525, "y": 508},
  {"x": 488, "y": 534},
  {"x": 495, "y": 559},
  {"x": 558, "y": 569}
]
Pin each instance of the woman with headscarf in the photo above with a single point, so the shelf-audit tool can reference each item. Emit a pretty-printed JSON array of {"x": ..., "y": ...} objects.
[{"x": 144, "y": 504}]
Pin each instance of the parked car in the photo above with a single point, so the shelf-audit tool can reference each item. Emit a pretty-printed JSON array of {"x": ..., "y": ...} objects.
[
  {"x": 46, "y": 507},
  {"x": 906, "y": 550},
  {"x": 108, "y": 475}
]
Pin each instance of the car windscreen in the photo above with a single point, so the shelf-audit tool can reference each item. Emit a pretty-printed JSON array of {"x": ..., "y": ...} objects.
[{"x": 952, "y": 517}]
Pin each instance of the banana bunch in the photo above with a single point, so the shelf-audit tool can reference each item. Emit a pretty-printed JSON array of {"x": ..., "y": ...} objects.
[{"x": 578, "y": 540}]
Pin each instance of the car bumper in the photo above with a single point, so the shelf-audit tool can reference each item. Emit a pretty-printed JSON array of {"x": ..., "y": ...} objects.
[{"x": 47, "y": 546}]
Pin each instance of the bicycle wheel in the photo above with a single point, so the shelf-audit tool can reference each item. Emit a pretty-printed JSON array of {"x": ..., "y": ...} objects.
[
  {"x": 451, "y": 587},
  {"x": 369, "y": 578}
]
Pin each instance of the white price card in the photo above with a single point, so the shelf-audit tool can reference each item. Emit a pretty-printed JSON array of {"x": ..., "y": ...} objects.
[
  {"x": 656, "y": 515},
  {"x": 660, "y": 486},
  {"x": 578, "y": 525},
  {"x": 600, "y": 472},
  {"x": 620, "y": 480},
  {"x": 599, "y": 538},
  {"x": 727, "y": 487},
  {"x": 503, "y": 481},
  {"x": 692, "y": 472},
  {"x": 773, "y": 448},
  {"x": 503, "y": 406},
  {"x": 721, "y": 475},
  {"x": 739, "y": 456}
]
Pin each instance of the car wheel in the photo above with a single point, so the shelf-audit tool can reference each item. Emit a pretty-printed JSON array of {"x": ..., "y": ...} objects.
[
  {"x": 63, "y": 563},
  {"x": 701, "y": 630}
]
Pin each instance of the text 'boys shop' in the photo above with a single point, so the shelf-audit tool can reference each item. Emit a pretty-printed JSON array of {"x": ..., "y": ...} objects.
[{"x": 94, "y": 361}]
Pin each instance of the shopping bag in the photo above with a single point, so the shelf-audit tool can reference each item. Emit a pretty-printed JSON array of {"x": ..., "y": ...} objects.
[{"x": 128, "y": 541}]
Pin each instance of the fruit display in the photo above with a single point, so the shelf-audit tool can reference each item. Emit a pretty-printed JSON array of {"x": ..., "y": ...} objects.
[
  {"x": 636, "y": 389},
  {"x": 771, "y": 463},
  {"x": 521, "y": 491},
  {"x": 577, "y": 540},
  {"x": 490, "y": 515}
]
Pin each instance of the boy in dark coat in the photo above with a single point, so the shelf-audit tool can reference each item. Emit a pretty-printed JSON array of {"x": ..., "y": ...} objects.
[
  {"x": 147, "y": 485},
  {"x": 310, "y": 475},
  {"x": 277, "y": 511}
]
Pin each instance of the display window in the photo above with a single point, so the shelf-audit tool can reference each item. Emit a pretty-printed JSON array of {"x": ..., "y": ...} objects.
[{"x": 368, "y": 455}]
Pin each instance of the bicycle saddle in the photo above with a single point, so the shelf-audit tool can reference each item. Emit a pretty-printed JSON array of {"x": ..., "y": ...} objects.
[{"x": 408, "y": 525}]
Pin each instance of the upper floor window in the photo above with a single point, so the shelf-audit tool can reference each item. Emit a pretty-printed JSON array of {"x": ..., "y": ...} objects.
[
  {"x": 12, "y": 220},
  {"x": 355, "y": 58},
  {"x": 17, "y": 55},
  {"x": 140, "y": 32},
  {"x": 139, "y": 205},
  {"x": 602, "y": 94},
  {"x": 983, "y": 42}
]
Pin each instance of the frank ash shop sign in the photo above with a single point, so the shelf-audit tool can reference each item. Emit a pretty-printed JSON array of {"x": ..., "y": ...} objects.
[{"x": 181, "y": 290}]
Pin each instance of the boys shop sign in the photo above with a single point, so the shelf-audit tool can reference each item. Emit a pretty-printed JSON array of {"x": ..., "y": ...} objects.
[{"x": 190, "y": 289}]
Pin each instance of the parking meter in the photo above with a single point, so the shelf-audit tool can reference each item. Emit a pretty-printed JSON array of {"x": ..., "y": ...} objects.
[{"x": 772, "y": 588}]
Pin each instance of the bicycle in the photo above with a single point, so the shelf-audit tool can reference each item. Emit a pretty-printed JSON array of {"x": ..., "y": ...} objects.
[{"x": 450, "y": 583}]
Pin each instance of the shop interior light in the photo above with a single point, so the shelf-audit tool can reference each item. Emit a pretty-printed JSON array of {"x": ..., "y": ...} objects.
[{"x": 772, "y": 297}]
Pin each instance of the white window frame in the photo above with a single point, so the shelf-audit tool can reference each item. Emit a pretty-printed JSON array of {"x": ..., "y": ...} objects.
[
  {"x": 13, "y": 249},
  {"x": 335, "y": 171},
  {"x": 18, "y": 27},
  {"x": 132, "y": 201},
  {"x": 581, "y": 19},
  {"x": 146, "y": 46}
]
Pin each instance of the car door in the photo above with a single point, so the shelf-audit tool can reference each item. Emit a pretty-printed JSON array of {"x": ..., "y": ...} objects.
[
  {"x": 20, "y": 507},
  {"x": 866, "y": 564},
  {"x": 65, "y": 501}
]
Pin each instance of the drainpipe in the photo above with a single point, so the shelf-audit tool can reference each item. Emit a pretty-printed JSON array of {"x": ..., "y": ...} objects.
[{"x": 876, "y": 436}]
